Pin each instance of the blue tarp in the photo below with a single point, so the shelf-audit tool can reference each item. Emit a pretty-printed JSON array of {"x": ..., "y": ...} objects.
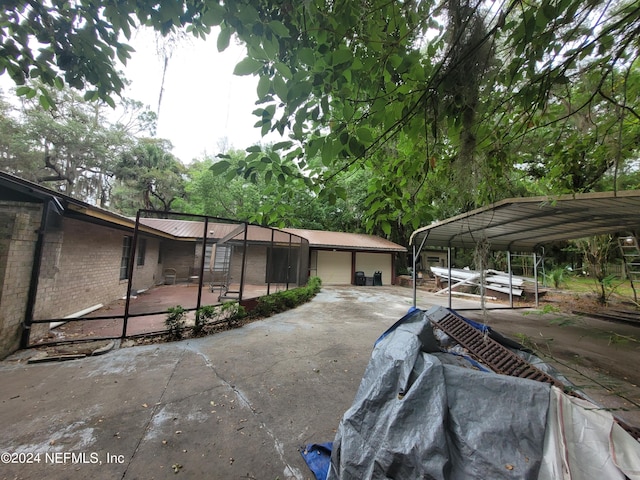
[{"x": 318, "y": 458}]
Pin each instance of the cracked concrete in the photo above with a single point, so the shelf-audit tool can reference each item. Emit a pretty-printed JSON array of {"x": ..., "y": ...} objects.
[{"x": 237, "y": 404}]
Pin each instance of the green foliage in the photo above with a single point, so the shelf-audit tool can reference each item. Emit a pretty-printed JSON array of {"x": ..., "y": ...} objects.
[
  {"x": 149, "y": 177},
  {"x": 175, "y": 321},
  {"x": 229, "y": 312},
  {"x": 73, "y": 149},
  {"x": 288, "y": 299},
  {"x": 446, "y": 105},
  {"x": 555, "y": 277},
  {"x": 208, "y": 193}
]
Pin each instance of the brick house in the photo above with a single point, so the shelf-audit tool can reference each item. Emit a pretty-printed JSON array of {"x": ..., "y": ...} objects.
[{"x": 60, "y": 256}]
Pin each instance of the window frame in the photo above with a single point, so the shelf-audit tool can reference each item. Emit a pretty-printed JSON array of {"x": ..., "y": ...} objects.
[{"x": 127, "y": 242}]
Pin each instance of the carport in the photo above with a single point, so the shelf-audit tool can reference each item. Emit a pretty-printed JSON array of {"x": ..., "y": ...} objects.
[{"x": 526, "y": 225}]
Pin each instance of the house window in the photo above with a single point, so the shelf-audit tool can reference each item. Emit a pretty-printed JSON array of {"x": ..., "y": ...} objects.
[
  {"x": 126, "y": 255},
  {"x": 142, "y": 250}
]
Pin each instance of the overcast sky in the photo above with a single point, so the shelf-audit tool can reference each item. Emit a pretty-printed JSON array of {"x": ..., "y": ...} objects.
[{"x": 203, "y": 102}]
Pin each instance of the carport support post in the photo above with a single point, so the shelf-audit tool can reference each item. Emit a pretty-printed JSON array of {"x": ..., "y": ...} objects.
[
  {"x": 510, "y": 278},
  {"x": 449, "y": 267},
  {"x": 535, "y": 275},
  {"x": 413, "y": 270},
  {"x": 413, "y": 275}
]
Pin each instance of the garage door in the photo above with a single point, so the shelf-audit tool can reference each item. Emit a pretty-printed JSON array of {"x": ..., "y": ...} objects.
[
  {"x": 334, "y": 268},
  {"x": 369, "y": 263}
]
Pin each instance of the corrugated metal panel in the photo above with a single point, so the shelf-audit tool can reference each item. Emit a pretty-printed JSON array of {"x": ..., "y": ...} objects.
[
  {"x": 524, "y": 224},
  {"x": 188, "y": 229},
  {"x": 316, "y": 238},
  {"x": 177, "y": 228},
  {"x": 348, "y": 241}
]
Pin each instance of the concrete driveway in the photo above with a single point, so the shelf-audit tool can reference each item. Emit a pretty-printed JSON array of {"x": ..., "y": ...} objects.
[{"x": 238, "y": 404}]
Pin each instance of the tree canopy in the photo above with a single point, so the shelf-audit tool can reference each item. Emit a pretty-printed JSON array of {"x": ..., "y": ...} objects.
[{"x": 461, "y": 102}]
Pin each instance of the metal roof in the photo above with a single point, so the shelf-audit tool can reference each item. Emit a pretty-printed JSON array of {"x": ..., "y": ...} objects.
[
  {"x": 186, "y": 229},
  {"x": 524, "y": 224},
  {"x": 346, "y": 241},
  {"x": 20, "y": 190},
  {"x": 193, "y": 230}
]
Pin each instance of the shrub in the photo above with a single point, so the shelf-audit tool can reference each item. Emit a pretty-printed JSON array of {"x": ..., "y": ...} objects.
[
  {"x": 555, "y": 277},
  {"x": 288, "y": 299},
  {"x": 175, "y": 321},
  {"x": 203, "y": 315},
  {"x": 230, "y": 312}
]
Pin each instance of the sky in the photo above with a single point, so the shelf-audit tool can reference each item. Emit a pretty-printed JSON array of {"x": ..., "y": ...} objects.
[
  {"x": 204, "y": 105},
  {"x": 203, "y": 102}
]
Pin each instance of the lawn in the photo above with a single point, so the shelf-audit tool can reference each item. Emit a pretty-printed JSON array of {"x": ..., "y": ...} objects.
[{"x": 580, "y": 284}]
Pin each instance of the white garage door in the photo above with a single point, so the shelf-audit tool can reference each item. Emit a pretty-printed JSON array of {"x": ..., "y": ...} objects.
[
  {"x": 369, "y": 263},
  {"x": 334, "y": 268}
]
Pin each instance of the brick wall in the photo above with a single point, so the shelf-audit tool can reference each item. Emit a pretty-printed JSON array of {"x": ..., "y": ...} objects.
[
  {"x": 255, "y": 264},
  {"x": 81, "y": 268},
  {"x": 19, "y": 223},
  {"x": 180, "y": 256},
  {"x": 150, "y": 274}
]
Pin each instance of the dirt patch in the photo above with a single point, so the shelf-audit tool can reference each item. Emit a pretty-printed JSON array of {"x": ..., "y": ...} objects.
[{"x": 599, "y": 357}]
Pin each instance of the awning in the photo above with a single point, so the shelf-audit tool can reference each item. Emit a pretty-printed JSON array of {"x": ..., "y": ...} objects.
[{"x": 524, "y": 224}]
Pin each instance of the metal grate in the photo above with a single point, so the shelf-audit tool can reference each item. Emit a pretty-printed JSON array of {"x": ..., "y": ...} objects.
[{"x": 486, "y": 350}]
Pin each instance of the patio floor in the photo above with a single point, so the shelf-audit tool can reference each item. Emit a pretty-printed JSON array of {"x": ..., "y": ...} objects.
[{"x": 152, "y": 306}]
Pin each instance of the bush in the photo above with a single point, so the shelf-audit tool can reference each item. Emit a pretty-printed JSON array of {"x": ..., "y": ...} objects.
[
  {"x": 175, "y": 321},
  {"x": 281, "y": 301},
  {"x": 230, "y": 312},
  {"x": 556, "y": 277}
]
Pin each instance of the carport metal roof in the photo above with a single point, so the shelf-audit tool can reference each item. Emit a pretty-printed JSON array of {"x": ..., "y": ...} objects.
[{"x": 524, "y": 224}]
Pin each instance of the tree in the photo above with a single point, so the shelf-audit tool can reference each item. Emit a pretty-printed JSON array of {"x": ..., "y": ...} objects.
[
  {"x": 71, "y": 149},
  {"x": 464, "y": 80},
  {"x": 215, "y": 195},
  {"x": 597, "y": 252},
  {"x": 148, "y": 176},
  {"x": 230, "y": 195},
  {"x": 16, "y": 156}
]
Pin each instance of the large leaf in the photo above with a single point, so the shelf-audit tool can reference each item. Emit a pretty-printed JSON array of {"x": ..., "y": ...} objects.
[
  {"x": 278, "y": 28},
  {"x": 220, "y": 167},
  {"x": 247, "y": 66},
  {"x": 223, "y": 38}
]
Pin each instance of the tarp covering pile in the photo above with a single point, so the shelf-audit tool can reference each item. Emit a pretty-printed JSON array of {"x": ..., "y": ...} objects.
[{"x": 422, "y": 412}]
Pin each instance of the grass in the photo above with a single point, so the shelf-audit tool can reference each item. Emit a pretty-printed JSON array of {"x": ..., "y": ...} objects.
[{"x": 589, "y": 285}]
